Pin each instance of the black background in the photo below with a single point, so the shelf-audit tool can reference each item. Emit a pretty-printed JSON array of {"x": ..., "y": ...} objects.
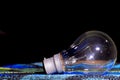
[{"x": 28, "y": 35}]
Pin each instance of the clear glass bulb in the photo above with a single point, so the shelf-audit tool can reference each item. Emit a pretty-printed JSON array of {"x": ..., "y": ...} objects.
[{"x": 94, "y": 52}]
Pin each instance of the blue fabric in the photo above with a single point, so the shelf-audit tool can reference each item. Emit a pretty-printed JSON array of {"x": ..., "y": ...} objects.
[
  {"x": 20, "y": 66},
  {"x": 113, "y": 74}
]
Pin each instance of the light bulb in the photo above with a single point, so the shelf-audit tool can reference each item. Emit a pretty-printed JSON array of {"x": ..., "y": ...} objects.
[{"x": 92, "y": 52}]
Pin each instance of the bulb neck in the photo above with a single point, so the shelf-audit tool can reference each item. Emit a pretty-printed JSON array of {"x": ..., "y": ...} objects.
[{"x": 53, "y": 64}]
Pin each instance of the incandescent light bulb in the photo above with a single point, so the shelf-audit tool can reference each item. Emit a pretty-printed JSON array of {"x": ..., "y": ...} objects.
[{"x": 92, "y": 52}]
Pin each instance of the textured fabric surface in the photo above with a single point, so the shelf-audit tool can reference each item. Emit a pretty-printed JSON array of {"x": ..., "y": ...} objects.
[{"x": 33, "y": 72}]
